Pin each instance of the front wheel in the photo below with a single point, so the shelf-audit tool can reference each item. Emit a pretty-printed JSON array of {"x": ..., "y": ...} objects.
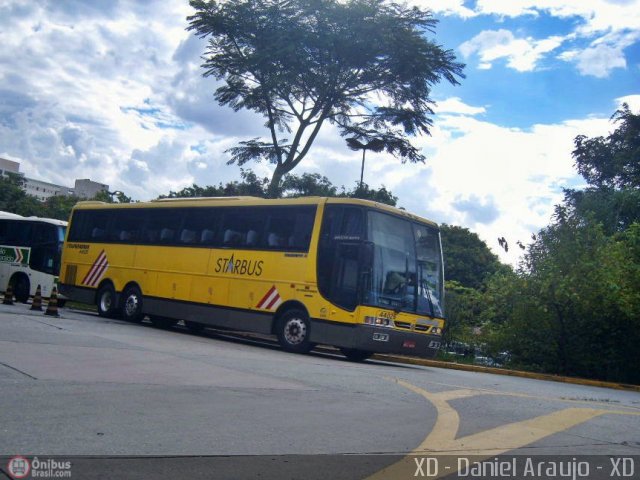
[
  {"x": 20, "y": 285},
  {"x": 293, "y": 331},
  {"x": 106, "y": 301},
  {"x": 355, "y": 355},
  {"x": 132, "y": 304}
]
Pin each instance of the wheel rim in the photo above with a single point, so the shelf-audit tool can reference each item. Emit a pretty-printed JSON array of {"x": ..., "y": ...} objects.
[
  {"x": 131, "y": 305},
  {"x": 295, "y": 331},
  {"x": 106, "y": 301}
]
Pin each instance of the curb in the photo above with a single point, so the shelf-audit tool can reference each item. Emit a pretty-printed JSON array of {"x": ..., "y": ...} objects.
[{"x": 503, "y": 371}]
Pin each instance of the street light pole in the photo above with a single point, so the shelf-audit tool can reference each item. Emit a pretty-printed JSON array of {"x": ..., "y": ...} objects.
[{"x": 364, "y": 150}]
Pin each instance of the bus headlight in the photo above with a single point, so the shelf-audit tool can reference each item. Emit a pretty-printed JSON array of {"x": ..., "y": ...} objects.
[{"x": 377, "y": 321}]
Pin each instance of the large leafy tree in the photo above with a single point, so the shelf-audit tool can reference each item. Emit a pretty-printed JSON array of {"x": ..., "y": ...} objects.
[
  {"x": 467, "y": 259},
  {"x": 305, "y": 185},
  {"x": 574, "y": 306},
  {"x": 612, "y": 161},
  {"x": 365, "y": 66},
  {"x": 611, "y": 166}
]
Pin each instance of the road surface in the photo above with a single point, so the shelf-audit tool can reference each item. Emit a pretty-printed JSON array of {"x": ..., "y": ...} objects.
[{"x": 81, "y": 385}]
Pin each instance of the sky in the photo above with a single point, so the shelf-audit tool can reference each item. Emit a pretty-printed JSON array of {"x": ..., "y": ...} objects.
[{"x": 113, "y": 91}]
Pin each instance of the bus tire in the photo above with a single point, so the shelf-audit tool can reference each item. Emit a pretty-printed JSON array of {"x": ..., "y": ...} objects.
[
  {"x": 106, "y": 301},
  {"x": 293, "y": 331},
  {"x": 132, "y": 304},
  {"x": 20, "y": 285},
  {"x": 355, "y": 355}
]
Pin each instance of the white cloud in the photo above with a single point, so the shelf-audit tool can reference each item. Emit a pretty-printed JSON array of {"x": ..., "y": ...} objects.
[
  {"x": 596, "y": 15},
  {"x": 603, "y": 55},
  {"x": 455, "y": 105},
  {"x": 522, "y": 54},
  {"x": 495, "y": 180},
  {"x": 632, "y": 100},
  {"x": 445, "y": 7},
  {"x": 609, "y": 26}
]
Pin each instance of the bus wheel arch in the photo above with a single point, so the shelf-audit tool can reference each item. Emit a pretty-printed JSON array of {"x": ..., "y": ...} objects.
[
  {"x": 21, "y": 286},
  {"x": 131, "y": 303},
  {"x": 106, "y": 299},
  {"x": 293, "y": 327}
]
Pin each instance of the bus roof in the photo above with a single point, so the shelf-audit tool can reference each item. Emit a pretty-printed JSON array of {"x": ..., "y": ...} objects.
[
  {"x": 249, "y": 201},
  {"x": 15, "y": 216}
]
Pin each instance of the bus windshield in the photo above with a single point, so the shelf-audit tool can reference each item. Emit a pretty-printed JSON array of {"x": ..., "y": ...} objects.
[{"x": 407, "y": 266}]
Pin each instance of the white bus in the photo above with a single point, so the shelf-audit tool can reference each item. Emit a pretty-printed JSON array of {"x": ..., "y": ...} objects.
[{"x": 30, "y": 250}]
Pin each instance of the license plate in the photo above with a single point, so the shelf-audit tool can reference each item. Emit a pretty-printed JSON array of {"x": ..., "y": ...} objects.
[{"x": 381, "y": 337}]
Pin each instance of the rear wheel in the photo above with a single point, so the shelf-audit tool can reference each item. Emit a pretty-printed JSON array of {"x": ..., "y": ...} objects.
[
  {"x": 20, "y": 285},
  {"x": 293, "y": 331},
  {"x": 355, "y": 355},
  {"x": 106, "y": 301},
  {"x": 132, "y": 304}
]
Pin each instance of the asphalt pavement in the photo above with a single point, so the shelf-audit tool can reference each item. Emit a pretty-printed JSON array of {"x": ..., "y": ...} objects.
[{"x": 97, "y": 390}]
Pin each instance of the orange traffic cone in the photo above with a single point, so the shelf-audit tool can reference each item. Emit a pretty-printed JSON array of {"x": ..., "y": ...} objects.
[
  {"x": 8, "y": 295},
  {"x": 37, "y": 300},
  {"x": 52, "y": 306}
]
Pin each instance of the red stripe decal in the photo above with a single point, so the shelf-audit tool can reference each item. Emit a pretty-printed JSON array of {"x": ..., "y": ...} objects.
[
  {"x": 264, "y": 299},
  {"x": 274, "y": 301},
  {"x": 96, "y": 265}
]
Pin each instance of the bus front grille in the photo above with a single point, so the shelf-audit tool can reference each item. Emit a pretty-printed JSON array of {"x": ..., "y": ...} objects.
[{"x": 406, "y": 325}]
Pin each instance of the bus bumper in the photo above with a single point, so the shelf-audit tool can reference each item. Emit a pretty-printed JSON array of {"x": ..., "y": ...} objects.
[
  {"x": 386, "y": 340},
  {"x": 375, "y": 339}
]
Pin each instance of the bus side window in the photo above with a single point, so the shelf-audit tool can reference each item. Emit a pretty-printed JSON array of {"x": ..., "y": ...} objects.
[
  {"x": 187, "y": 236},
  {"x": 207, "y": 237},
  {"x": 199, "y": 226},
  {"x": 243, "y": 227},
  {"x": 166, "y": 235},
  {"x": 97, "y": 233}
]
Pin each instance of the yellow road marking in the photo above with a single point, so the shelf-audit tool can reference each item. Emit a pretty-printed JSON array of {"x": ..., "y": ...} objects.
[{"x": 495, "y": 441}]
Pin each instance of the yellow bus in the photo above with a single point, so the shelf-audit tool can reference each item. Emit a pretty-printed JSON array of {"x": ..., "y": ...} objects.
[{"x": 354, "y": 274}]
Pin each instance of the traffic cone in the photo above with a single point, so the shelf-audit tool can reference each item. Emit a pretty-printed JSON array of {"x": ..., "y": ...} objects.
[
  {"x": 52, "y": 306},
  {"x": 37, "y": 300},
  {"x": 8, "y": 295}
]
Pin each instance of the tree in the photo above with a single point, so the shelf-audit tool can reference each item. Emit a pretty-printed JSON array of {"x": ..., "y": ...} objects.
[
  {"x": 14, "y": 199},
  {"x": 467, "y": 259},
  {"x": 615, "y": 209},
  {"x": 364, "y": 66},
  {"x": 381, "y": 195},
  {"x": 613, "y": 161},
  {"x": 308, "y": 184},
  {"x": 59, "y": 206}
]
